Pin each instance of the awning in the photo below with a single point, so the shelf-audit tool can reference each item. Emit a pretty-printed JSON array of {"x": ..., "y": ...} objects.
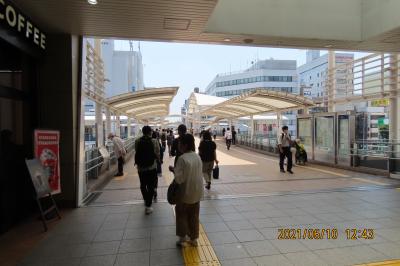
[
  {"x": 145, "y": 104},
  {"x": 259, "y": 101}
]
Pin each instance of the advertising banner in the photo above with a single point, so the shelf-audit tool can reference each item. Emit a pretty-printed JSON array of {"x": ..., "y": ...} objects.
[{"x": 47, "y": 152}]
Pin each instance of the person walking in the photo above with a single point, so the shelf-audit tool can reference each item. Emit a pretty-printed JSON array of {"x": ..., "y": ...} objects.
[
  {"x": 146, "y": 156},
  {"x": 164, "y": 139},
  {"x": 223, "y": 132},
  {"x": 228, "y": 138},
  {"x": 170, "y": 140},
  {"x": 208, "y": 155},
  {"x": 119, "y": 152},
  {"x": 188, "y": 174},
  {"x": 284, "y": 141},
  {"x": 175, "y": 145},
  {"x": 233, "y": 135},
  {"x": 215, "y": 133}
]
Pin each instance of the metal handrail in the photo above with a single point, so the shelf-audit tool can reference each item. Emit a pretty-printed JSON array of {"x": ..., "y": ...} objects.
[{"x": 128, "y": 144}]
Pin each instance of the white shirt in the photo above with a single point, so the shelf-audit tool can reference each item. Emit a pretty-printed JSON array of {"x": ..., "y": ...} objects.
[
  {"x": 119, "y": 149},
  {"x": 188, "y": 172},
  {"x": 228, "y": 134},
  {"x": 284, "y": 139}
]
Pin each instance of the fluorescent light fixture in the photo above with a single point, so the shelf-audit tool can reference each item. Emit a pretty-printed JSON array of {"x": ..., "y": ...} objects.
[
  {"x": 328, "y": 46},
  {"x": 227, "y": 40},
  {"x": 92, "y": 2}
]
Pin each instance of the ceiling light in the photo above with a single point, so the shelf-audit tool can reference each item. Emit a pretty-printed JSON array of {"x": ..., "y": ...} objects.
[
  {"x": 227, "y": 40},
  {"x": 92, "y": 2},
  {"x": 328, "y": 46}
]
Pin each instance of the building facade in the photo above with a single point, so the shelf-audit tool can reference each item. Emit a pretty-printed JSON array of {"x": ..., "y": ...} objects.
[
  {"x": 313, "y": 74},
  {"x": 123, "y": 69},
  {"x": 278, "y": 75}
]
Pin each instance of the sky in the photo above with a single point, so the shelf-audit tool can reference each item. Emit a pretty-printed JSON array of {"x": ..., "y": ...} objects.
[{"x": 189, "y": 65}]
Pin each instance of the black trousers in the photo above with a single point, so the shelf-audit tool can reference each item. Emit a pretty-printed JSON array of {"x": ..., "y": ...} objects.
[
  {"x": 288, "y": 154},
  {"x": 148, "y": 181},
  {"x": 121, "y": 165}
]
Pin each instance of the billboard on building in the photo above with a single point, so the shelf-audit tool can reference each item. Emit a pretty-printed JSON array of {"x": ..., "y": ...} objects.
[{"x": 47, "y": 152}]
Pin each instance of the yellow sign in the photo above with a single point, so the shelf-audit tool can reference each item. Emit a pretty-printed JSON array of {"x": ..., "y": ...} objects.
[{"x": 380, "y": 103}]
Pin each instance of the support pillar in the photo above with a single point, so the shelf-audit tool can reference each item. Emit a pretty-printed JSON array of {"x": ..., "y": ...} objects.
[
  {"x": 99, "y": 125},
  {"x": 331, "y": 80},
  {"x": 394, "y": 113},
  {"x": 117, "y": 125},
  {"x": 251, "y": 126},
  {"x": 108, "y": 121},
  {"x": 279, "y": 121},
  {"x": 128, "y": 125}
]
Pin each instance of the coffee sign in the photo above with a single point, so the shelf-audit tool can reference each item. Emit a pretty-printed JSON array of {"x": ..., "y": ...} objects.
[{"x": 13, "y": 18}]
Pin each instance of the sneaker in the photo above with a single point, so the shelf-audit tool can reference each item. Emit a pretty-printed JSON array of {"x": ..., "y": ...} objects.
[
  {"x": 290, "y": 171},
  {"x": 282, "y": 171},
  {"x": 194, "y": 242},
  {"x": 181, "y": 241},
  {"x": 148, "y": 210}
]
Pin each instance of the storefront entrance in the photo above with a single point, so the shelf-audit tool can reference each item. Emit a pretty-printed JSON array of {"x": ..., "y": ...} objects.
[{"x": 18, "y": 117}]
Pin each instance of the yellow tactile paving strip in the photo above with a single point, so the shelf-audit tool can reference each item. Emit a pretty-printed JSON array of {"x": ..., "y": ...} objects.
[
  {"x": 203, "y": 254},
  {"x": 383, "y": 263}
]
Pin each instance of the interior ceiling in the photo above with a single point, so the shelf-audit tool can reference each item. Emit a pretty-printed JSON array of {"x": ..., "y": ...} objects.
[{"x": 171, "y": 20}]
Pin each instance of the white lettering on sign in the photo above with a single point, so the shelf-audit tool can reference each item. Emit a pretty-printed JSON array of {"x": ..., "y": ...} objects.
[
  {"x": 42, "y": 41},
  {"x": 11, "y": 16},
  {"x": 3, "y": 4},
  {"x": 21, "y": 22},
  {"x": 28, "y": 29},
  {"x": 36, "y": 35},
  {"x": 17, "y": 20}
]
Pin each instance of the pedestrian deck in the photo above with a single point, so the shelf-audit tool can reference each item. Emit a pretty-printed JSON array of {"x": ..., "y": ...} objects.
[{"x": 240, "y": 217}]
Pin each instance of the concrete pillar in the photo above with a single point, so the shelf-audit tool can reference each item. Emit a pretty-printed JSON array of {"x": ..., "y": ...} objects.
[
  {"x": 251, "y": 126},
  {"x": 108, "y": 121},
  {"x": 128, "y": 125},
  {"x": 332, "y": 80},
  {"x": 394, "y": 112},
  {"x": 279, "y": 121},
  {"x": 117, "y": 125},
  {"x": 99, "y": 125}
]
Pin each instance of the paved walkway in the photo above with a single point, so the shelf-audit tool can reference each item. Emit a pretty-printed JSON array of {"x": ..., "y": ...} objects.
[
  {"x": 241, "y": 218},
  {"x": 244, "y": 173},
  {"x": 241, "y": 231}
]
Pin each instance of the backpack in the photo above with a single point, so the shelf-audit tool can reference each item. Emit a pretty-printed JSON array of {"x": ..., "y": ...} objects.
[
  {"x": 163, "y": 137},
  {"x": 144, "y": 155}
]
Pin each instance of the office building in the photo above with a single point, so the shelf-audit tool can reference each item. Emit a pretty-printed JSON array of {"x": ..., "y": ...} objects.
[{"x": 277, "y": 75}]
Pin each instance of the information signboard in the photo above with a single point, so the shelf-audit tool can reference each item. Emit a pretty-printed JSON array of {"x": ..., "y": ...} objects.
[
  {"x": 47, "y": 152},
  {"x": 39, "y": 178}
]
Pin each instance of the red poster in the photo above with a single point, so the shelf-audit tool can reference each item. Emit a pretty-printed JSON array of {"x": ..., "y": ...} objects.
[{"x": 47, "y": 151}]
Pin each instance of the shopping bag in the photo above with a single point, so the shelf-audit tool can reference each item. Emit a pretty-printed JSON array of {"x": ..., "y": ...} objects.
[{"x": 216, "y": 172}]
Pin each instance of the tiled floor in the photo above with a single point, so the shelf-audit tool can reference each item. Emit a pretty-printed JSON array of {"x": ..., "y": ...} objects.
[
  {"x": 124, "y": 235},
  {"x": 241, "y": 225}
]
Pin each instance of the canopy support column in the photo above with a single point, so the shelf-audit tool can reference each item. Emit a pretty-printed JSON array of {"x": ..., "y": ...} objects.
[
  {"x": 117, "y": 125},
  {"x": 128, "y": 130},
  {"x": 331, "y": 80},
  {"x": 99, "y": 125},
  {"x": 279, "y": 120},
  {"x": 394, "y": 112},
  {"x": 108, "y": 121},
  {"x": 251, "y": 126}
]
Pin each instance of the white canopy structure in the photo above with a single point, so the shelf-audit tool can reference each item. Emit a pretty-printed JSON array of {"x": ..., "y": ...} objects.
[
  {"x": 146, "y": 104},
  {"x": 197, "y": 104},
  {"x": 259, "y": 101}
]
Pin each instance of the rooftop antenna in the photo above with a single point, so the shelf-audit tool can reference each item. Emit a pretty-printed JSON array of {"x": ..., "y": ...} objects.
[{"x": 131, "y": 45}]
